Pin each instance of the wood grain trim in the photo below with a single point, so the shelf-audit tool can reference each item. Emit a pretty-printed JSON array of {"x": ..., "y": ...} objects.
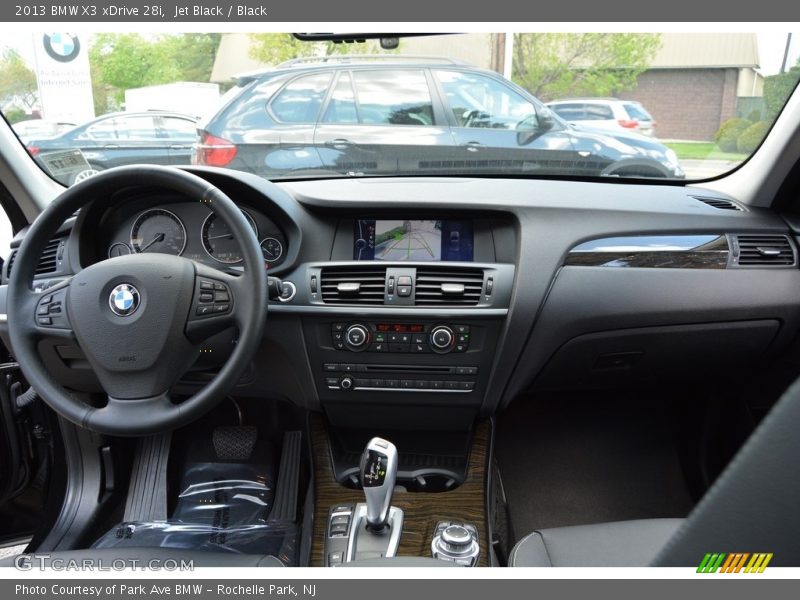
[{"x": 422, "y": 510}]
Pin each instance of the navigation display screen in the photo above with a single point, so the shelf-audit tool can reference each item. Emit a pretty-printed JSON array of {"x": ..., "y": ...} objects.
[{"x": 418, "y": 241}]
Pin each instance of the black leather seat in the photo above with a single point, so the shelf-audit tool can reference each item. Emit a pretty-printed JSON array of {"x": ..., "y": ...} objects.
[
  {"x": 621, "y": 544},
  {"x": 752, "y": 507}
]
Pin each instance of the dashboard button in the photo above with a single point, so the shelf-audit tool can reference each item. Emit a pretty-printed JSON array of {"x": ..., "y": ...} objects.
[
  {"x": 338, "y": 326},
  {"x": 462, "y": 328},
  {"x": 404, "y": 280},
  {"x": 404, "y": 291},
  {"x": 379, "y": 347},
  {"x": 451, "y": 385},
  {"x": 419, "y": 348},
  {"x": 399, "y": 338},
  {"x": 466, "y": 385},
  {"x": 460, "y": 348},
  {"x": 406, "y": 384},
  {"x": 338, "y": 345},
  {"x": 392, "y": 383},
  {"x": 436, "y": 385},
  {"x": 332, "y": 382},
  {"x": 330, "y": 367},
  {"x": 377, "y": 383},
  {"x": 419, "y": 338},
  {"x": 399, "y": 348}
]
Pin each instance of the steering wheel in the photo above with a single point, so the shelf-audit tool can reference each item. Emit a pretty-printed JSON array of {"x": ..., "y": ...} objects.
[{"x": 141, "y": 318}]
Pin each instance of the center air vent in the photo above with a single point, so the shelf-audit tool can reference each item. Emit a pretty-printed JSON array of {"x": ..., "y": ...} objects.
[
  {"x": 764, "y": 250},
  {"x": 48, "y": 263},
  {"x": 442, "y": 286},
  {"x": 719, "y": 203},
  {"x": 353, "y": 285}
]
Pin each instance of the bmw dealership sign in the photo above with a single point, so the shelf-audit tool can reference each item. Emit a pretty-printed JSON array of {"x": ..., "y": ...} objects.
[{"x": 64, "y": 78}]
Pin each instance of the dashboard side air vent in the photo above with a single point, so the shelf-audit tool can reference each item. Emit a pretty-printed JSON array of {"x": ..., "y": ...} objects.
[
  {"x": 719, "y": 203},
  {"x": 48, "y": 263},
  {"x": 448, "y": 286},
  {"x": 353, "y": 285},
  {"x": 764, "y": 250}
]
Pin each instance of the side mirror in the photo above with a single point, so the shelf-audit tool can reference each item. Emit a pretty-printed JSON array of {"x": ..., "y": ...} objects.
[
  {"x": 546, "y": 119},
  {"x": 534, "y": 125}
]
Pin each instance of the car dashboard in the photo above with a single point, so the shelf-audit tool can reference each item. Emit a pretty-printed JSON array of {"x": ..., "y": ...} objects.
[{"x": 430, "y": 301}]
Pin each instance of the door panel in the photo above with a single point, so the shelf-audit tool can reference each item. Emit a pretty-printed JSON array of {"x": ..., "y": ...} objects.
[
  {"x": 497, "y": 129},
  {"x": 382, "y": 122}
]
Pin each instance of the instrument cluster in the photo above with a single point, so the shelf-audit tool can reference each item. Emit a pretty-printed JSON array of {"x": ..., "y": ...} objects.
[{"x": 193, "y": 231}]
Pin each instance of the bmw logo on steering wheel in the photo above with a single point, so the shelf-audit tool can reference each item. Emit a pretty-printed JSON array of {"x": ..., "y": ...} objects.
[{"x": 124, "y": 300}]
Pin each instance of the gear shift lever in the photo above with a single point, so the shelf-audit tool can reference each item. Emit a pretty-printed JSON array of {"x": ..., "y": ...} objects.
[{"x": 378, "y": 475}]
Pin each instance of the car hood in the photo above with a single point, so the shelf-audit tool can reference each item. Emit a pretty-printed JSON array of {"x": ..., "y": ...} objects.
[{"x": 632, "y": 140}]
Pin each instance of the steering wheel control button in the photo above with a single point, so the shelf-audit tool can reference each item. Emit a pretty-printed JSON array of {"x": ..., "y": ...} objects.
[
  {"x": 124, "y": 300},
  {"x": 50, "y": 310},
  {"x": 213, "y": 298}
]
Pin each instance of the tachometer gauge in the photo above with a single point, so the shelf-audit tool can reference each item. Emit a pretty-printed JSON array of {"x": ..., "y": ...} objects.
[
  {"x": 119, "y": 249},
  {"x": 218, "y": 239},
  {"x": 272, "y": 249},
  {"x": 158, "y": 230}
]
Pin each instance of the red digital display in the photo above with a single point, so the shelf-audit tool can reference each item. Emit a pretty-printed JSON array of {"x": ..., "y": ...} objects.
[{"x": 400, "y": 328}]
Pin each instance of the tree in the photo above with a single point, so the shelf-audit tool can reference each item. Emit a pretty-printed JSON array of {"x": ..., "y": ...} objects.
[
  {"x": 778, "y": 88},
  {"x": 556, "y": 65},
  {"x": 17, "y": 80},
  {"x": 120, "y": 62},
  {"x": 275, "y": 48}
]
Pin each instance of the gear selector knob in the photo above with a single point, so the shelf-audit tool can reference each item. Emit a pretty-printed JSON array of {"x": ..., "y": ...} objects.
[{"x": 378, "y": 475}]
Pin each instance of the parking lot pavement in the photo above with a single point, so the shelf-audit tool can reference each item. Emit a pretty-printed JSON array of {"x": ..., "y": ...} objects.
[{"x": 702, "y": 169}]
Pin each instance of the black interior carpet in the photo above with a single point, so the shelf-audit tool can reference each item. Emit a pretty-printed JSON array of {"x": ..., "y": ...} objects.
[{"x": 572, "y": 460}]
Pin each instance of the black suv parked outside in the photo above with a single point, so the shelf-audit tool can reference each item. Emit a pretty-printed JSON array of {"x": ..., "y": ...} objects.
[{"x": 384, "y": 115}]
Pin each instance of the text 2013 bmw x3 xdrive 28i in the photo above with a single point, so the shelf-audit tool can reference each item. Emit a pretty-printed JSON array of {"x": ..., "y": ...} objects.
[
  {"x": 456, "y": 371},
  {"x": 379, "y": 115}
]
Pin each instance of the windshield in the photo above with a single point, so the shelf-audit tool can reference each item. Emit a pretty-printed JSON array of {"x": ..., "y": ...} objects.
[{"x": 676, "y": 106}]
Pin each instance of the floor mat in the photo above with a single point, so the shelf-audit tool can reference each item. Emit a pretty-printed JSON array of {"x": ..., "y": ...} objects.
[{"x": 568, "y": 460}]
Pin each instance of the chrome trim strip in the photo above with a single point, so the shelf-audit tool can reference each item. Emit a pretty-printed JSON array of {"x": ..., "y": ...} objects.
[
  {"x": 3, "y": 318},
  {"x": 380, "y": 311},
  {"x": 645, "y": 243},
  {"x": 385, "y": 389}
]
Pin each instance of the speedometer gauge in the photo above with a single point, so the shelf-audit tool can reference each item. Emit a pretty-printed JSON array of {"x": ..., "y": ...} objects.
[
  {"x": 158, "y": 230},
  {"x": 218, "y": 239}
]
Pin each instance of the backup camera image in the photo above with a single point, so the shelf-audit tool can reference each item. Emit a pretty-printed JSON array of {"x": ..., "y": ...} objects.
[{"x": 413, "y": 240}]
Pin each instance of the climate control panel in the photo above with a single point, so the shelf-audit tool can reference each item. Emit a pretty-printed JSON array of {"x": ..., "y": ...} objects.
[{"x": 404, "y": 338}]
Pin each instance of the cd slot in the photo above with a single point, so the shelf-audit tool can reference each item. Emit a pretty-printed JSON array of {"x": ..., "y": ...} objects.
[{"x": 409, "y": 369}]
